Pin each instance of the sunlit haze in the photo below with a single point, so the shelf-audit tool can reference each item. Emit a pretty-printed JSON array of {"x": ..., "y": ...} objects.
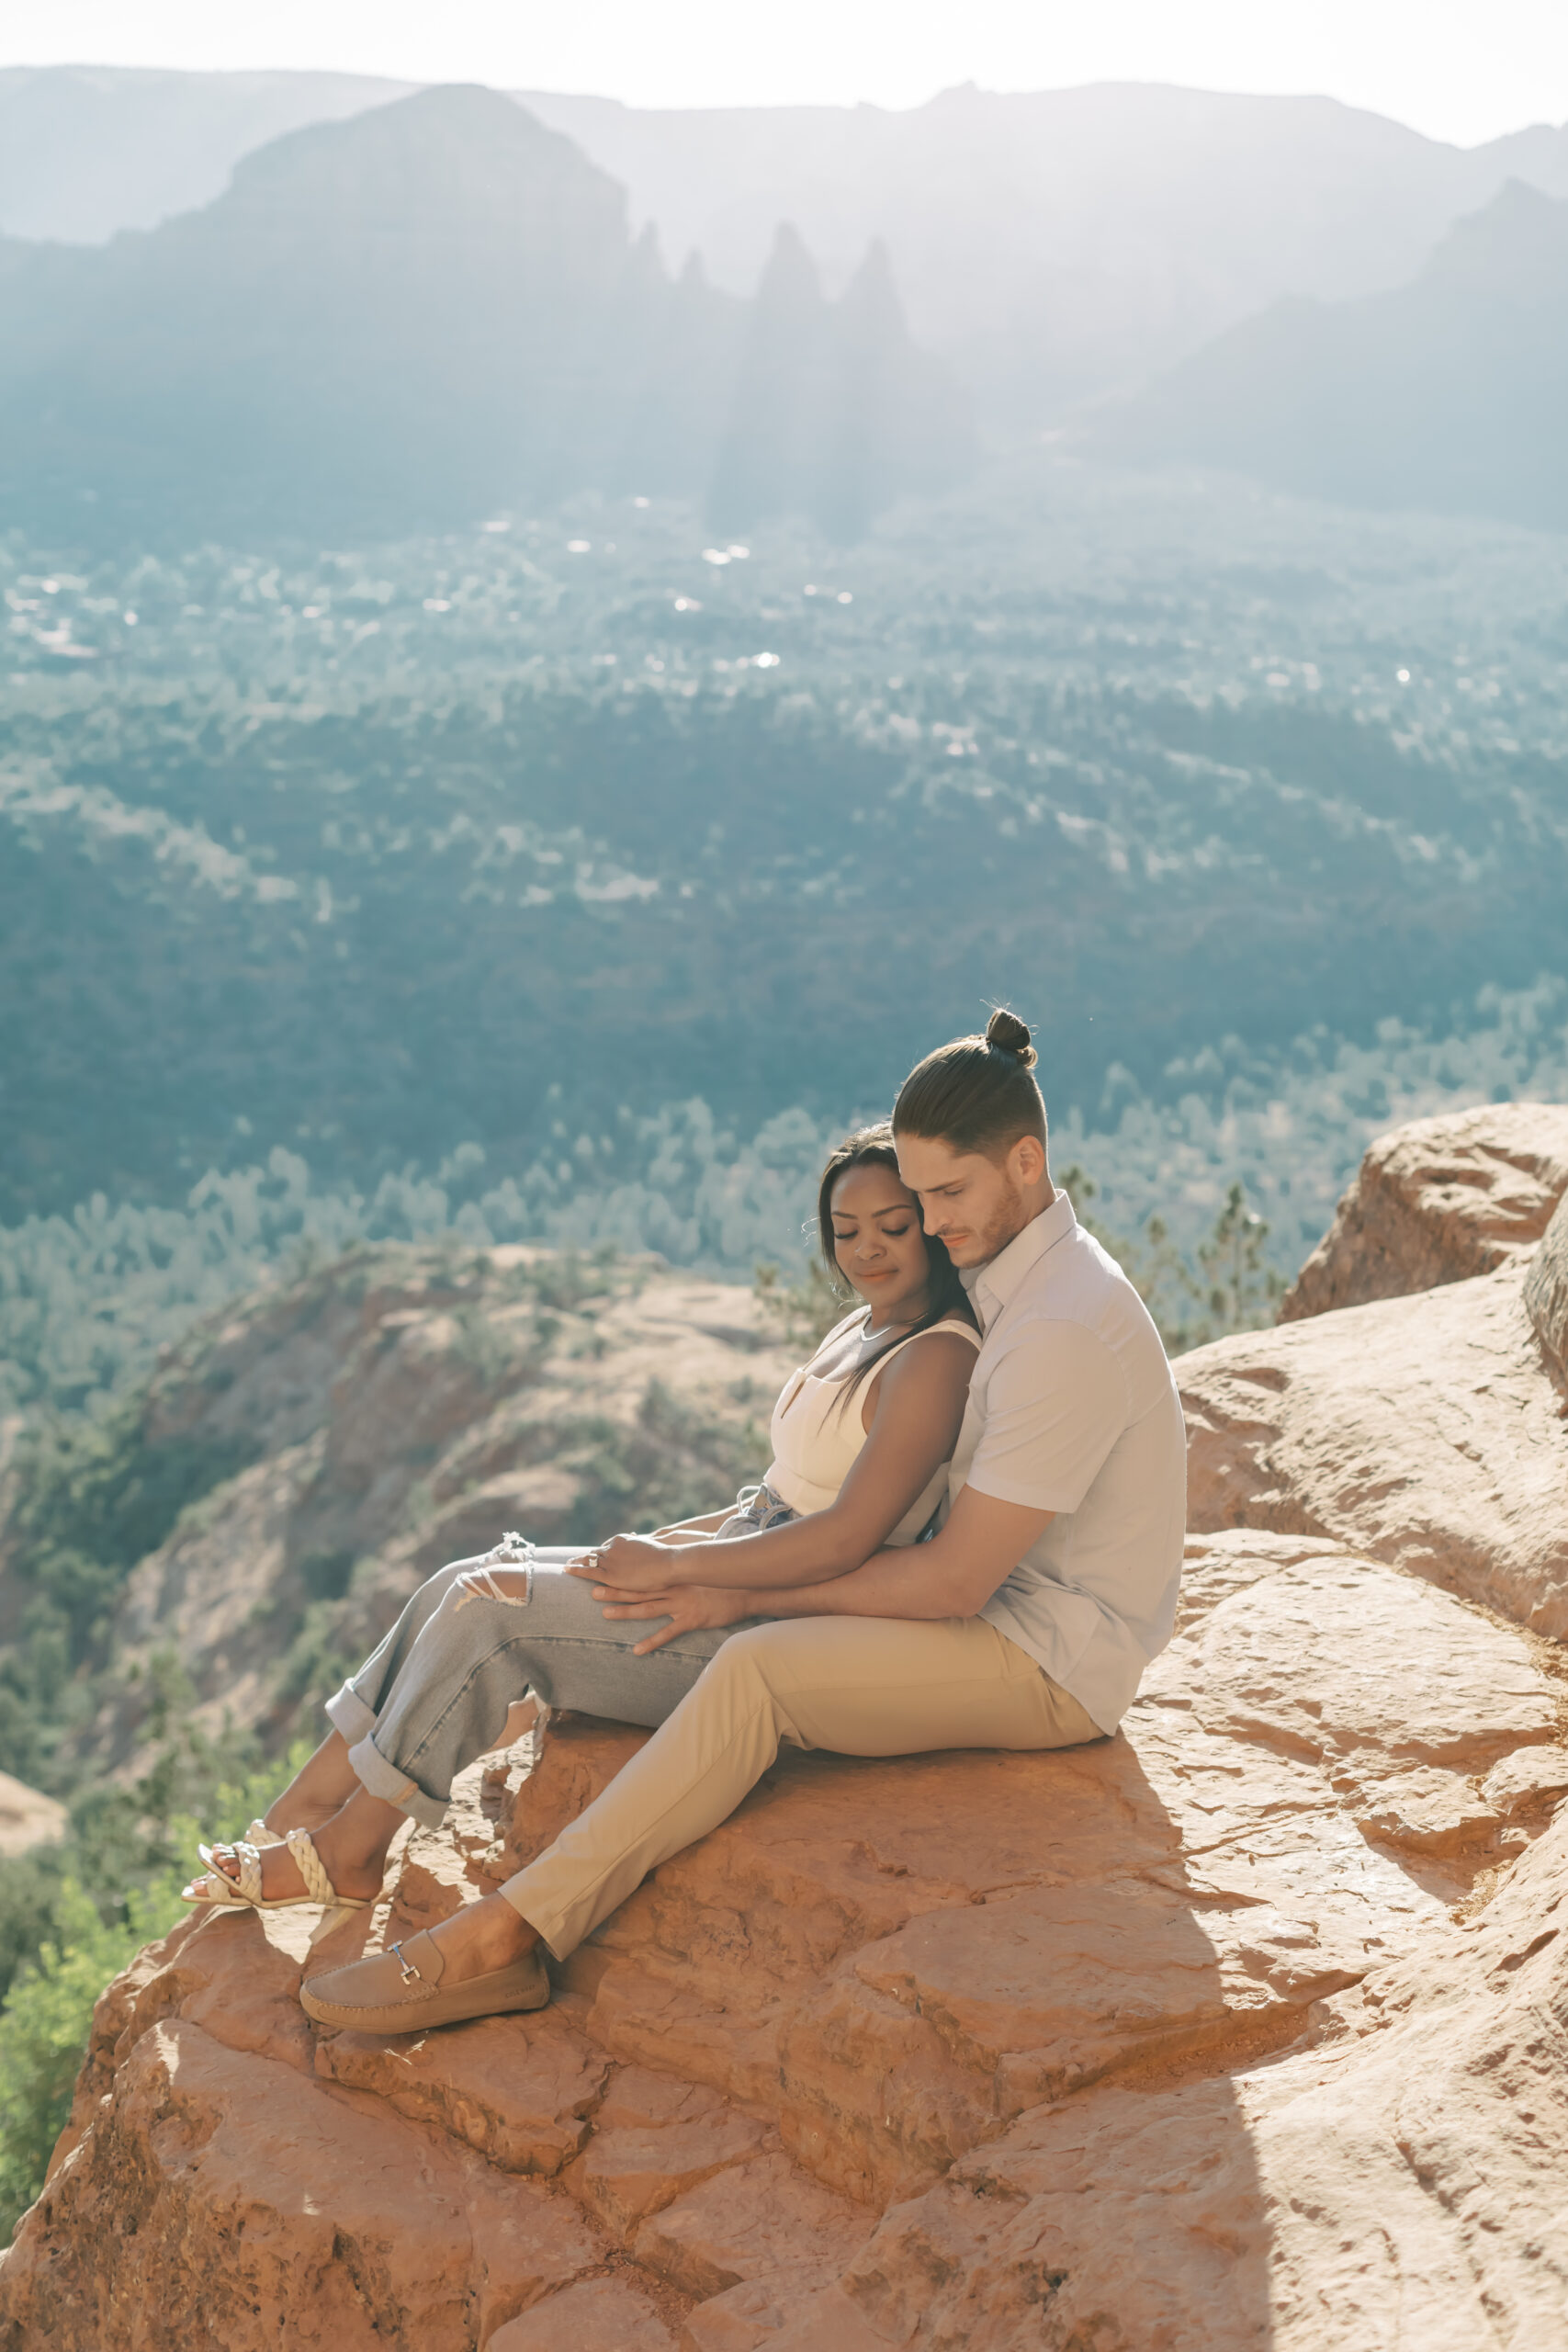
[{"x": 1456, "y": 69}]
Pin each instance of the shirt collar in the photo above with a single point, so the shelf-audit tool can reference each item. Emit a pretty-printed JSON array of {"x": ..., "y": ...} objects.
[{"x": 991, "y": 1286}]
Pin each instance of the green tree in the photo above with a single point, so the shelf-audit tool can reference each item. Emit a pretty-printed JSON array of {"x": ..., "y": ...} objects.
[
  {"x": 1240, "y": 1289},
  {"x": 805, "y": 1311}
]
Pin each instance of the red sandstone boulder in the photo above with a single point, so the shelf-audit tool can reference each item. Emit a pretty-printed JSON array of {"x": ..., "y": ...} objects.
[
  {"x": 1427, "y": 1431},
  {"x": 1436, "y": 1202},
  {"x": 957, "y": 2050}
]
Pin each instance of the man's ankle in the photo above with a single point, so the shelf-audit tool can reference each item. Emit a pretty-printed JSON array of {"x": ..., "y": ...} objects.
[{"x": 499, "y": 1936}]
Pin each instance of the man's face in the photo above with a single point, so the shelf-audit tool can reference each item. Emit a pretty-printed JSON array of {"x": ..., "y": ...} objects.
[{"x": 973, "y": 1203}]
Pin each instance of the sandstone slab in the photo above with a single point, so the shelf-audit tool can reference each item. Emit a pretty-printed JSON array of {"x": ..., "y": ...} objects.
[
  {"x": 517, "y": 2089},
  {"x": 597, "y": 2315},
  {"x": 1435, "y": 1202},
  {"x": 1399, "y": 2188},
  {"x": 1425, "y": 1432},
  {"x": 759, "y": 2222},
  {"x": 655, "y": 2137}
]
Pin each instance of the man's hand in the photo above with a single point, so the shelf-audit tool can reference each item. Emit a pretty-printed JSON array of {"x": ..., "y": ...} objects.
[
  {"x": 688, "y": 1607},
  {"x": 632, "y": 1563}
]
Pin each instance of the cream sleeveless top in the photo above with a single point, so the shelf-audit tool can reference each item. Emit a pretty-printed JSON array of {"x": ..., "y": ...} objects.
[{"x": 815, "y": 1443}]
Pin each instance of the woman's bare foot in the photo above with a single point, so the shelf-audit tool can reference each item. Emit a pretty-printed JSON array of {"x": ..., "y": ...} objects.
[{"x": 351, "y": 1846}]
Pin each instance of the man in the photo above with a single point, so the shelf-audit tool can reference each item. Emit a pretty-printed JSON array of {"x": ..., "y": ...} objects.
[{"x": 1025, "y": 1621}]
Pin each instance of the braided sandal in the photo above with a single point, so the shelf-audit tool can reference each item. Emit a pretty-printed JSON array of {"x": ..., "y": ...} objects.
[{"x": 247, "y": 1895}]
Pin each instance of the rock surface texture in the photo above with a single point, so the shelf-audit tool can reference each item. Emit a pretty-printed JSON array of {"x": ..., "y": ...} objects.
[
  {"x": 1246, "y": 2027},
  {"x": 1546, "y": 1292}
]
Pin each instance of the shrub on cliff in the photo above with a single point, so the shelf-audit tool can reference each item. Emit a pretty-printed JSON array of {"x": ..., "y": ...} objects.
[
  {"x": 43, "y": 2031},
  {"x": 134, "y": 1849}
]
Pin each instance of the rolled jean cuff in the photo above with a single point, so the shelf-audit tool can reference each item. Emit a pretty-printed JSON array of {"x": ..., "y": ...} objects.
[
  {"x": 347, "y": 1713},
  {"x": 384, "y": 1780}
]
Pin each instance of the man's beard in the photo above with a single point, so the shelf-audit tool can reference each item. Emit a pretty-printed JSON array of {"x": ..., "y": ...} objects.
[{"x": 1005, "y": 1224}]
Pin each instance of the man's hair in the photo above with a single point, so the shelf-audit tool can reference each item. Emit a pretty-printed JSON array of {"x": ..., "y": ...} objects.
[{"x": 977, "y": 1094}]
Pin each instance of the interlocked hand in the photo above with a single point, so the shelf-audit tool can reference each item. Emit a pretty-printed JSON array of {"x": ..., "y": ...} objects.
[{"x": 689, "y": 1609}]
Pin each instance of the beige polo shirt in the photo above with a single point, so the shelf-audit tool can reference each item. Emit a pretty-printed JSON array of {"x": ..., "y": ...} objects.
[{"x": 1073, "y": 1409}]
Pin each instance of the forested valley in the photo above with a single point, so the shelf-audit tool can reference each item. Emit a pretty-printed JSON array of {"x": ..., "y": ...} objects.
[{"x": 579, "y": 875}]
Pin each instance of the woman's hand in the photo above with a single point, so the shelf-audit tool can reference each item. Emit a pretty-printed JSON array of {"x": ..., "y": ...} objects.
[
  {"x": 690, "y": 1607},
  {"x": 632, "y": 1563}
]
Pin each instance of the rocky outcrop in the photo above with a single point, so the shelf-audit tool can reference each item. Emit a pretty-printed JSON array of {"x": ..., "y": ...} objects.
[
  {"x": 1394, "y": 2182},
  {"x": 953, "y": 2050},
  {"x": 1247, "y": 2026},
  {"x": 1427, "y": 1431},
  {"x": 1439, "y": 1201}
]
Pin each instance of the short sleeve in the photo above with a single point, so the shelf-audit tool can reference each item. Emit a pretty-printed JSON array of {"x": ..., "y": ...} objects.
[{"x": 1056, "y": 1403}]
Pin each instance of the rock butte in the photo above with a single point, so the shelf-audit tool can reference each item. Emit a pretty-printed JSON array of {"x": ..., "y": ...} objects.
[{"x": 1244, "y": 2028}]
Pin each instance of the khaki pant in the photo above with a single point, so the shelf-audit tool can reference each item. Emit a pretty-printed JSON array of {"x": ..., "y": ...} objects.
[{"x": 861, "y": 1686}]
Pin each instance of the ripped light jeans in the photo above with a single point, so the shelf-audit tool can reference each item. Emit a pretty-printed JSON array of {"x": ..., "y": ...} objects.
[{"x": 435, "y": 1692}]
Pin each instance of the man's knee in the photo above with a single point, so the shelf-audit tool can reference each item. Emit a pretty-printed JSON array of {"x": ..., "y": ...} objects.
[{"x": 741, "y": 1658}]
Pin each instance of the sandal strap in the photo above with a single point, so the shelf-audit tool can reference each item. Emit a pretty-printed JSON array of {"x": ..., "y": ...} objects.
[
  {"x": 249, "y": 1860},
  {"x": 302, "y": 1847}
]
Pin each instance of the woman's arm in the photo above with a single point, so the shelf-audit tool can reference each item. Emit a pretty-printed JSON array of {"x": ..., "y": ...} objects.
[
  {"x": 954, "y": 1576},
  {"x": 689, "y": 1530},
  {"x": 916, "y": 1406}
]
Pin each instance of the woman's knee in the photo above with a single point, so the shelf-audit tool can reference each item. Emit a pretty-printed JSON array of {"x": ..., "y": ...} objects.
[{"x": 437, "y": 1584}]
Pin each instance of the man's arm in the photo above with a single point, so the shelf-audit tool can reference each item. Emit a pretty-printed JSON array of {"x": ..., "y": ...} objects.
[{"x": 952, "y": 1575}]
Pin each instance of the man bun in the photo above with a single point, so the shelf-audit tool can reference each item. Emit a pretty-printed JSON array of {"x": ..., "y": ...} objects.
[
  {"x": 1007, "y": 1032},
  {"x": 978, "y": 1093}
]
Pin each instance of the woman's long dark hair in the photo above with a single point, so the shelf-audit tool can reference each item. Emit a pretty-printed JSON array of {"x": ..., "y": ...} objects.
[{"x": 873, "y": 1146}]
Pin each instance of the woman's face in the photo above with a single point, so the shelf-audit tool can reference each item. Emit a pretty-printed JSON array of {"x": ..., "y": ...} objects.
[{"x": 878, "y": 1241}]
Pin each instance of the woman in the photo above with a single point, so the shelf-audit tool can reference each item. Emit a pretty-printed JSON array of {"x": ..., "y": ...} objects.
[{"x": 862, "y": 1438}]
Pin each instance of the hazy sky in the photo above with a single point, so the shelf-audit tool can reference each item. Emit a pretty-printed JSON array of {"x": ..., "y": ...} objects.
[{"x": 1458, "y": 69}]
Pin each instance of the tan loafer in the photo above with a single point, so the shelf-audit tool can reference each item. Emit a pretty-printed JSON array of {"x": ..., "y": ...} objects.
[{"x": 398, "y": 1990}]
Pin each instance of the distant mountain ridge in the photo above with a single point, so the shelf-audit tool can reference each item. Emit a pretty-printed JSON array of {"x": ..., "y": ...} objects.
[
  {"x": 402, "y": 321},
  {"x": 1447, "y": 394},
  {"x": 86, "y": 150},
  {"x": 1051, "y": 245}
]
